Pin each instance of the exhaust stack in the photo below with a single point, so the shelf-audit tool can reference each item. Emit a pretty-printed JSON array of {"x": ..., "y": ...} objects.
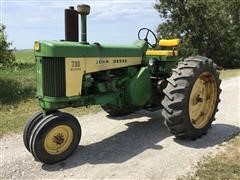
[{"x": 71, "y": 25}]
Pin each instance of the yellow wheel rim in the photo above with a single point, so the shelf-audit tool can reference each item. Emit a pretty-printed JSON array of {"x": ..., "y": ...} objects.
[
  {"x": 58, "y": 139},
  {"x": 202, "y": 100}
]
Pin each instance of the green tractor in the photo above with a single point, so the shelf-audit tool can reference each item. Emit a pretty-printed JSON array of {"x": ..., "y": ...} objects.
[{"x": 122, "y": 79}]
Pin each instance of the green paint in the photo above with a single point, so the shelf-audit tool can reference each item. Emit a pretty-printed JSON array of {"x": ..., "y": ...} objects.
[
  {"x": 118, "y": 87},
  {"x": 39, "y": 76},
  {"x": 77, "y": 49},
  {"x": 51, "y": 103},
  {"x": 140, "y": 88}
]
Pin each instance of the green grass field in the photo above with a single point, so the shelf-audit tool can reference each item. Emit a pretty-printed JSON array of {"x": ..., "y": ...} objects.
[
  {"x": 224, "y": 165},
  {"x": 227, "y": 74},
  {"x": 25, "y": 56}
]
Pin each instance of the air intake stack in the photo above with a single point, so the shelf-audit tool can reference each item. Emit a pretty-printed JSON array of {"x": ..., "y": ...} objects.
[{"x": 83, "y": 10}]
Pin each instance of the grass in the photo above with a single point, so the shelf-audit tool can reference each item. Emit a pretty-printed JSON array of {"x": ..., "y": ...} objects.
[
  {"x": 227, "y": 74},
  {"x": 17, "y": 83},
  {"x": 25, "y": 56},
  {"x": 224, "y": 165},
  {"x": 17, "y": 91}
]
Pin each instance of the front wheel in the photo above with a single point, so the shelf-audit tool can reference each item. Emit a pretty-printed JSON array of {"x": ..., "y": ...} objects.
[
  {"x": 191, "y": 97},
  {"x": 32, "y": 121},
  {"x": 55, "y": 137}
]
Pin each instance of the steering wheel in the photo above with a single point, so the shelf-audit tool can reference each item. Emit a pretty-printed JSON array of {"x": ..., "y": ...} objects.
[{"x": 146, "y": 38}]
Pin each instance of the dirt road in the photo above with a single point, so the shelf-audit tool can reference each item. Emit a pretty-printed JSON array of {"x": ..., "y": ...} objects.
[{"x": 139, "y": 146}]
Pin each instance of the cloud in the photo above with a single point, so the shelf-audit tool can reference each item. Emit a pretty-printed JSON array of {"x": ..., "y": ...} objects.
[
  {"x": 104, "y": 11},
  {"x": 116, "y": 10},
  {"x": 45, "y": 19}
]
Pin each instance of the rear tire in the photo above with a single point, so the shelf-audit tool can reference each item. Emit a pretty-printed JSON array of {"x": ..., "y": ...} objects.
[{"x": 191, "y": 97}]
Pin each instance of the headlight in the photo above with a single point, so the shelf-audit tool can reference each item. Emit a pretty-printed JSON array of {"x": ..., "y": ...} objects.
[{"x": 36, "y": 46}]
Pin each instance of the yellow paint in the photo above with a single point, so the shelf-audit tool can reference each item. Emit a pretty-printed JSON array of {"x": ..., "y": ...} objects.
[
  {"x": 77, "y": 67},
  {"x": 99, "y": 64},
  {"x": 161, "y": 53},
  {"x": 36, "y": 46},
  {"x": 169, "y": 42},
  {"x": 202, "y": 100},
  {"x": 58, "y": 139}
]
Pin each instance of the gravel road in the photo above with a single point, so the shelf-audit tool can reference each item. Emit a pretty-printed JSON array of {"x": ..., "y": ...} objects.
[{"x": 138, "y": 146}]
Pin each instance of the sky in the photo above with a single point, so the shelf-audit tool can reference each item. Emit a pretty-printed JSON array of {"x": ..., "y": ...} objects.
[{"x": 115, "y": 22}]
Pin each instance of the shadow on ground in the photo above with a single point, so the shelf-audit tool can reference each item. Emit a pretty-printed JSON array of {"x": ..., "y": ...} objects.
[
  {"x": 216, "y": 135},
  {"x": 139, "y": 137},
  {"x": 138, "y": 114},
  {"x": 120, "y": 147}
]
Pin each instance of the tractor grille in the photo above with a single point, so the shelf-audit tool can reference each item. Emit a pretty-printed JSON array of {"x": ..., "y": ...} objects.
[{"x": 53, "y": 70}]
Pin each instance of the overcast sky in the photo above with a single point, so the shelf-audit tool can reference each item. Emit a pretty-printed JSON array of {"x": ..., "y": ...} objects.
[{"x": 109, "y": 21}]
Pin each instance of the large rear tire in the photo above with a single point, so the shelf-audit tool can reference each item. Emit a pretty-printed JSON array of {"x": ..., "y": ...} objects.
[{"x": 191, "y": 97}]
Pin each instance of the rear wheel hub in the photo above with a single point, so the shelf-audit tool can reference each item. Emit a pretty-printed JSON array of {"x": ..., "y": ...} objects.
[{"x": 202, "y": 100}]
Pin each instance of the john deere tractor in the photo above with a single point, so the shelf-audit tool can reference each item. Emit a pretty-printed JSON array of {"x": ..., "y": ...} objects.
[{"x": 122, "y": 79}]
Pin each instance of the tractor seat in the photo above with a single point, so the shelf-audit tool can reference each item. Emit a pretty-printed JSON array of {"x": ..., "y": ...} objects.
[
  {"x": 167, "y": 48},
  {"x": 169, "y": 42}
]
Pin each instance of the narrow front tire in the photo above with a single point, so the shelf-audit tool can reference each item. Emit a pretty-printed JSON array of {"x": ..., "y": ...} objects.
[
  {"x": 32, "y": 121},
  {"x": 55, "y": 138}
]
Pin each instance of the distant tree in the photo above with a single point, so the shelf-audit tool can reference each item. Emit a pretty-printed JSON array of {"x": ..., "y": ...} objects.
[
  {"x": 207, "y": 27},
  {"x": 6, "y": 54}
]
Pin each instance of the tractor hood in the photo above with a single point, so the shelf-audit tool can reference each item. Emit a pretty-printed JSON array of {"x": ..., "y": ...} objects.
[{"x": 76, "y": 49}]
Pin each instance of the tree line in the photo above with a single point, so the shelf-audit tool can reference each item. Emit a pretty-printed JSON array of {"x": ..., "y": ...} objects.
[
  {"x": 206, "y": 27},
  {"x": 7, "y": 57}
]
